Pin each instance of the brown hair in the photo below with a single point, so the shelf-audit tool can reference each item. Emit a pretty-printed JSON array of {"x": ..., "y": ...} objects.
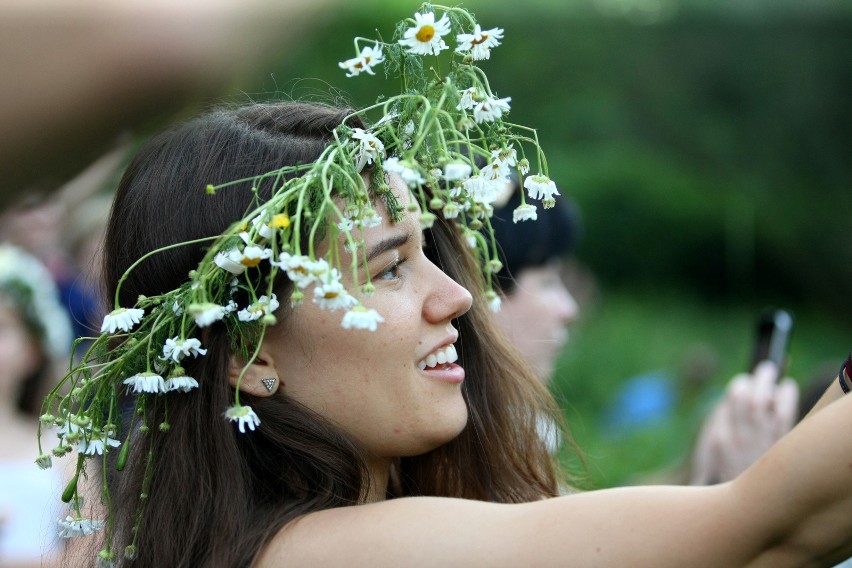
[{"x": 215, "y": 496}]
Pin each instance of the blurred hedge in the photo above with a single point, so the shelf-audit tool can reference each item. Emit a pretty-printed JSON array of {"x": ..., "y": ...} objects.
[{"x": 708, "y": 149}]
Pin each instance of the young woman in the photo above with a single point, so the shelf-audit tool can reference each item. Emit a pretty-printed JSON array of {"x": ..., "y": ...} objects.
[{"x": 403, "y": 433}]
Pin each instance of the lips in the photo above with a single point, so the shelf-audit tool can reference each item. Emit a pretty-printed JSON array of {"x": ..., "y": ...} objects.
[{"x": 446, "y": 354}]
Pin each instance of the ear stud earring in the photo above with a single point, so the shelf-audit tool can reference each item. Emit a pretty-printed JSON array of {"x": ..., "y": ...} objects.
[{"x": 269, "y": 383}]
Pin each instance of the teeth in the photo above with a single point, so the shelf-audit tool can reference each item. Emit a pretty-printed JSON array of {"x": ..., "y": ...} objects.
[{"x": 441, "y": 356}]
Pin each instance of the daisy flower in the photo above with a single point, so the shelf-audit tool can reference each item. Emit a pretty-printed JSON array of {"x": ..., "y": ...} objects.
[
  {"x": 121, "y": 318},
  {"x": 300, "y": 268},
  {"x": 243, "y": 416},
  {"x": 369, "y": 148},
  {"x": 481, "y": 190},
  {"x": 479, "y": 43},
  {"x": 98, "y": 444},
  {"x": 230, "y": 260},
  {"x": 333, "y": 296},
  {"x": 524, "y": 167},
  {"x": 252, "y": 255},
  {"x": 494, "y": 301},
  {"x": 490, "y": 109},
  {"x": 207, "y": 313},
  {"x": 524, "y": 213},
  {"x": 264, "y": 305},
  {"x": 360, "y": 317},
  {"x": 468, "y": 99},
  {"x": 540, "y": 187},
  {"x": 451, "y": 210},
  {"x": 456, "y": 171},
  {"x": 177, "y": 348},
  {"x": 427, "y": 220},
  {"x": 403, "y": 168},
  {"x": 72, "y": 527},
  {"x": 365, "y": 61},
  {"x": 44, "y": 461},
  {"x": 426, "y": 37},
  {"x": 180, "y": 381},
  {"x": 264, "y": 228},
  {"x": 146, "y": 382}
]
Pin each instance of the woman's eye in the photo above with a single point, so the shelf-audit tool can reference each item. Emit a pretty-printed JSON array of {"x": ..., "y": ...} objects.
[{"x": 391, "y": 272}]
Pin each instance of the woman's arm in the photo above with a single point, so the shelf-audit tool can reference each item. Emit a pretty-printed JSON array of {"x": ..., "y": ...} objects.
[{"x": 791, "y": 508}]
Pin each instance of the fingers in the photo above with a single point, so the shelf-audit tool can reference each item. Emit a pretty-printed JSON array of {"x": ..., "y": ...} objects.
[{"x": 765, "y": 381}]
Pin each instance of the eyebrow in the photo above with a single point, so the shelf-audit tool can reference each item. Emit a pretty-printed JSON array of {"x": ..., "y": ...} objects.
[{"x": 387, "y": 244}]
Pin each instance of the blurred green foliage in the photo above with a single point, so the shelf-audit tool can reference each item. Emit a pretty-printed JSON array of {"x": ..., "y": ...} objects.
[{"x": 707, "y": 144}]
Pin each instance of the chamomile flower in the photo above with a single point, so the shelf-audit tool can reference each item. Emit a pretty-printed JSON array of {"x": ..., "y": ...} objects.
[
  {"x": 494, "y": 301},
  {"x": 264, "y": 305},
  {"x": 479, "y": 43},
  {"x": 179, "y": 380},
  {"x": 481, "y": 190},
  {"x": 252, "y": 255},
  {"x": 98, "y": 444},
  {"x": 540, "y": 187},
  {"x": 505, "y": 156},
  {"x": 244, "y": 416},
  {"x": 44, "y": 461},
  {"x": 426, "y": 37},
  {"x": 360, "y": 317},
  {"x": 451, "y": 210},
  {"x": 264, "y": 228},
  {"x": 121, "y": 319},
  {"x": 369, "y": 148},
  {"x": 525, "y": 212},
  {"x": 230, "y": 260},
  {"x": 72, "y": 527},
  {"x": 146, "y": 382},
  {"x": 524, "y": 167},
  {"x": 331, "y": 295},
  {"x": 490, "y": 109},
  {"x": 362, "y": 218},
  {"x": 300, "y": 268},
  {"x": 207, "y": 313},
  {"x": 457, "y": 171},
  {"x": 469, "y": 97},
  {"x": 405, "y": 170},
  {"x": 368, "y": 58},
  {"x": 176, "y": 348}
]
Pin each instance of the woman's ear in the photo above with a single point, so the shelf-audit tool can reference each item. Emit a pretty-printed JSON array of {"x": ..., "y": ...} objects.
[{"x": 260, "y": 378}]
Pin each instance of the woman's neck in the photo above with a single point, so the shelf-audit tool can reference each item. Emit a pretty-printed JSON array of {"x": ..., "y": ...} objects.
[{"x": 379, "y": 474}]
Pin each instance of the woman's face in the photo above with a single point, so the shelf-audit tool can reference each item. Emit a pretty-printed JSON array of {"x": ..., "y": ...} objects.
[
  {"x": 536, "y": 316},
  {"x": 370, "y": 383}
]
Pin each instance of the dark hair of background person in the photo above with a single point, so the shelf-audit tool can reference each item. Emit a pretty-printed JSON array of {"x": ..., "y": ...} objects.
[
  {"x": 216, "y": 496},
  {"x": 555, "y": 234},
  {"x": 31, "y": 388}
]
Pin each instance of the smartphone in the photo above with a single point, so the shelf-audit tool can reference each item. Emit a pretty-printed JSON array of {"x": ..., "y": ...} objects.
[{"x": 773, "y": 337}]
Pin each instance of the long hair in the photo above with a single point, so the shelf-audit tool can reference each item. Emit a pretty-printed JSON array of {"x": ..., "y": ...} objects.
[{"x": 214, "y": 497}]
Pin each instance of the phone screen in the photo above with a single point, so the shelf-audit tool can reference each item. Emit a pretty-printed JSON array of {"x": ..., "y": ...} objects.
[{"x": 773, "y": 336}]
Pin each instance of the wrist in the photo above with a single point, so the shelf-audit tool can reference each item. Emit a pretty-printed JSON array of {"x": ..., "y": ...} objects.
[{"x": 845, "y": 375}]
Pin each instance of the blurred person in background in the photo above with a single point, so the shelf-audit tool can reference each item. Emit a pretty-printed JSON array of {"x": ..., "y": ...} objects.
[
  {"x": 35, "y": 337},
  {"x": 78, "y": 75},
  {"x": 755, "y": 411}
]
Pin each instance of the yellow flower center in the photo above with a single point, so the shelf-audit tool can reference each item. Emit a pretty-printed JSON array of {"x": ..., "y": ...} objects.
[
  {"x": 250, "y": 262},
  {"x": 425, "y": 34},
  {"x": 330, "y": 295},
  {"x": 482, "y": 39},
  {"x": 280, "y": 221}
]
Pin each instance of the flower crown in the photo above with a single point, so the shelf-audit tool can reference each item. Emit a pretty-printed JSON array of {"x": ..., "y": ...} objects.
[
  {"x": 445, "y": 134},
  {"x": 31, "y": 286}
]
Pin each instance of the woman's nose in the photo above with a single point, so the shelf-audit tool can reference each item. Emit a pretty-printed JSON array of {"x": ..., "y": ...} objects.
[
  {"x": 448, "y": 300},
  {"x": 567, "y": 309}
]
